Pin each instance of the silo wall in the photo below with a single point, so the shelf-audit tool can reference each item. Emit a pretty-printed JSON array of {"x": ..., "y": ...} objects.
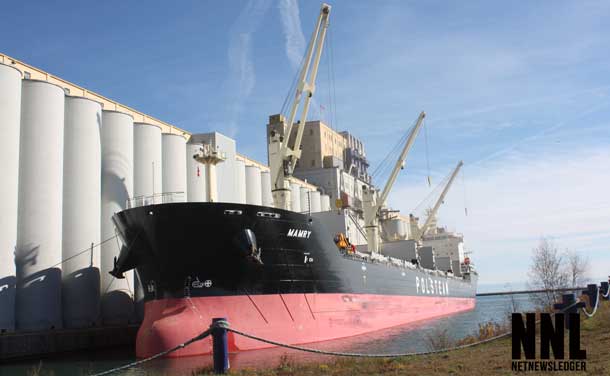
[
  {"x": 305, "y": 199},
  {"x": 147, "y": 164},
  {"x": 39, "y": 230},
  {"x": 267, "y": 198},
  {"x": 81, "y": 213},
  {"x": 316, "y": 206},
  {"x": 117, "y": 187},
  {"x": 10, "y": 114},
  {"x": 254, "y": 194},
  {"x": 295, "y": 197},
  {"x": 325, "y": 202},
  {"x": 174, "y": 166},
  {"x": 147, "y": 182},
  {"x": 240, "y": 181}
]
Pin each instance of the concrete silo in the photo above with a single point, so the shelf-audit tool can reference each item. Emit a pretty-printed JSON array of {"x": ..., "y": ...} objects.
[
  {"x": 314, "y": 197},
  {"x": 267, "y": 197},
  {"x": 254, "y": 194},
  {"x": 240, "y": 181},
  {"x": 147, "y": 164},
  {"x": 117, "y": 188},
  {"x": 174, "y": 167},
  {"x": 81, "y": 213},
  {"x": 10, "y": 113},
  {"x": 325, "y": 202},
  {"x": 195, "y": 175},
  {"x": 305, "y": 199},
  {"x": 147, "y": 183},
  {"x": 295, "y": 197},
  {"x": 39, "y": 230}
]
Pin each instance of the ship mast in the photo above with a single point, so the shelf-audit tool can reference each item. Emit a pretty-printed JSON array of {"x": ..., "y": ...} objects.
[
  {"x": 420, "y": 232},
  {"x": 210, "y": 157},
  {"x": 283, "y": 157},
  {"x": 372, "y": 204}
]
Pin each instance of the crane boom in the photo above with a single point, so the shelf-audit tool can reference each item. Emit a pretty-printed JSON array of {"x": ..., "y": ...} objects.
[
  {"x": 283, "y": 157},
  {"x": 371, "y": 204},
  {"x": 401, "y": 160},
  {"x": 438, "y": 203}
]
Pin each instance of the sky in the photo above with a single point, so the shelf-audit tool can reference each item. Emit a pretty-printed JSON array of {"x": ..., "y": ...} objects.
[{"x": 520, "y": 93}]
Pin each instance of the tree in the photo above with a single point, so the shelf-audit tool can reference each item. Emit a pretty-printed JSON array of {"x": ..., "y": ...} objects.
[
  {"x": 547, "y": 272},
  {"x": 576, "y": 268}
]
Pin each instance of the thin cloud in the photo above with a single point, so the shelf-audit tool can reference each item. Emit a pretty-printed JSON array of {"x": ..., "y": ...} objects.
[
  {"x": 293, "y": 33},
  {"x": 242, "y": 78}
]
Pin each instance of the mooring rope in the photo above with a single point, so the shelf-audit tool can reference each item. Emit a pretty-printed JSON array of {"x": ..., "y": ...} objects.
[
  {"x": 605, "y": 296},
  {"x": 596, "y": 304},
  {"x": 88, "y": 249}
]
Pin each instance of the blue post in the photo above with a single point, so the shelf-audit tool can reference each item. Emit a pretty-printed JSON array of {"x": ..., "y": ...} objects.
[
  {"x": 220, "y": 348},
  {"x": 604, "y": 289}
]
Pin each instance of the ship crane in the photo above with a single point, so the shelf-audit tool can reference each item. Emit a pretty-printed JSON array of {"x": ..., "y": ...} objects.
[
  {"x": 418, "y": 233},
  {"x": 282, "y": 156},
  {"x": 372, "y": 203}
]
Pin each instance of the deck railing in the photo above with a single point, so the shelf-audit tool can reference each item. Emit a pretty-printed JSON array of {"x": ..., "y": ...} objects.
[{"x": 158, "y": 198}]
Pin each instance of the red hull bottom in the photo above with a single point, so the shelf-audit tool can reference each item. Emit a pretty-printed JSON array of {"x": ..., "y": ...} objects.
[{"x": 286, "y": 318}]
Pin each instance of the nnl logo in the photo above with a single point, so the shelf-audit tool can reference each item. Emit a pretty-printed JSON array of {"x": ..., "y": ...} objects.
[{"x": 551, "y": 337}]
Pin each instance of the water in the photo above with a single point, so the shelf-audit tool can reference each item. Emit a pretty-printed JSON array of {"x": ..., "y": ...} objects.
[{"x": 409, "y": 338}]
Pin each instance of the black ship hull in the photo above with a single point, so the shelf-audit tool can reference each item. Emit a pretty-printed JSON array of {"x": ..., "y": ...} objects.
[{"x": 269, "y": 271}]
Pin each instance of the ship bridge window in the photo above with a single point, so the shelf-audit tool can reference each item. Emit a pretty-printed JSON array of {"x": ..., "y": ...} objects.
[{"x": 233, "y": 212}]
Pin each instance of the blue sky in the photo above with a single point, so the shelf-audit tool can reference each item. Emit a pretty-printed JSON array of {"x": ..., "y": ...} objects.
[{"x": 520, "y": 93}]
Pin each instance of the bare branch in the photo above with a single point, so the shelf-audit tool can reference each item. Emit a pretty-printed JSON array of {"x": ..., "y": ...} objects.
[{"x": 547, "y": 272}]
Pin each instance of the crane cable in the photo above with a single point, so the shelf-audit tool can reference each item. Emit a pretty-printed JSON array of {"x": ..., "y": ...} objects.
[
  {"x": 331, "y": 50},
  {"x": 383, "y": 166},
  {"x": 292, "y": 86},
  {"x": 330, "y": 103},
  {"x": 464, "y": 187},
  {"x": 432, "y": 193},
  {"x": 427, "y": 156}
]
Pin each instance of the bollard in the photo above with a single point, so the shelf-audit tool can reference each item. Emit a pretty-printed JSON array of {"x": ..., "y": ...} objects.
[
  {"x": 592, "y": 293},
  {"x": 567, "y": 301},
  {"x": 220, "y": 348},
  {"x": 603, "y": 289}
]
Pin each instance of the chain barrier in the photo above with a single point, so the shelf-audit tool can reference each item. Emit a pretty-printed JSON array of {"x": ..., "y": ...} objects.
[
  {"x": 199, "y": 337},
  {"x": 357, "y": 355}
]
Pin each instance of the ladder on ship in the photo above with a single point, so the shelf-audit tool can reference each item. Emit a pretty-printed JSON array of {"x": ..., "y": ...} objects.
[{"x": 355, "y": 222}]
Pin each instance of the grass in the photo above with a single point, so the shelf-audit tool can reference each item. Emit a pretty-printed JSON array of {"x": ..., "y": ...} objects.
[{"x": 493, "y": 358}]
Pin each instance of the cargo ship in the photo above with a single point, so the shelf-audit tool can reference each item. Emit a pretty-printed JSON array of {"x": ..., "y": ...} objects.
[{"x": 284, "y": 273}]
